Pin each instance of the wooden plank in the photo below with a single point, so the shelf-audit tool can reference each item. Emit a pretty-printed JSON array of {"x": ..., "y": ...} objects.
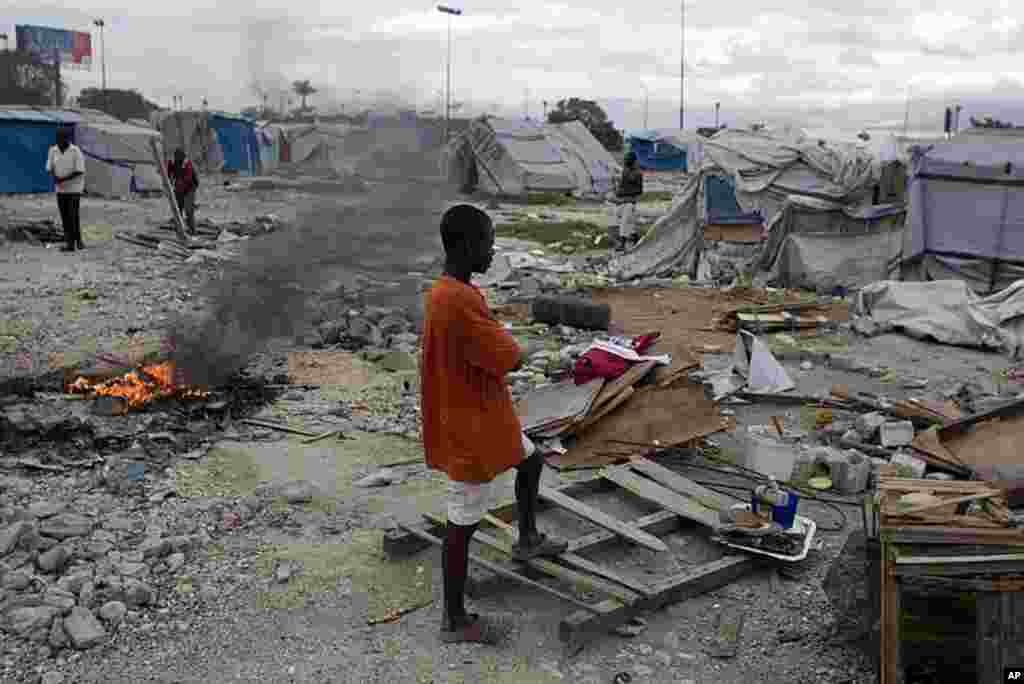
[
  {"x": 602, "y": 519},
  {"x": 633, "y": 375},
  {"x": 504, "y": 572},
  {"x": 913, "y": 510},
  {"x": 952, "y": 535},
  {"x": 178, "y": 221},
  {"x": 549, "y": 567},
  {"x": 658, "y": 523},
  {"x": 728, "y": 629},
  {"x": 914, "y": 568},
  {"x": 581, "y": 627},
  {"x": 578, "y": 561},
  {"x": 890, "y": 623},
  {"x": 666, "y": 498},
  {"x": 999, "y": 629},
  {"x": 621, "y": 398},
  {"x": 1011, "y": 408},
  {"x": 678, "y": 483}
]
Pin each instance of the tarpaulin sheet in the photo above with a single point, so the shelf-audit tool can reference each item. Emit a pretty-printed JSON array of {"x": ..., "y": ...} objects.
[
  {"x": 23, "y": 149},
  {"x": 237, "y": 138},
  {"x": 948, "y": 312},
  {"x": 118, "y": 159}
]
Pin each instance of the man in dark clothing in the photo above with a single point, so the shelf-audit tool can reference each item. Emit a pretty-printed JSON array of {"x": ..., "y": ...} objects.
[
  {"x": 631, "y": 187},
  {"x": 66, "y": 165},
  {"x": 183, "y": 175}
]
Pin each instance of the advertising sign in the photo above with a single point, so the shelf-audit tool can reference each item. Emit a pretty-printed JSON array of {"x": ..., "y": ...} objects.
[{"x": 73, "y": 48}]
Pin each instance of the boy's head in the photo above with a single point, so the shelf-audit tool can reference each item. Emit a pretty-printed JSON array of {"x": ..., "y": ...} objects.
[
  {"x": 468, "y": 237},
  {"x": 179, "y": 156}
]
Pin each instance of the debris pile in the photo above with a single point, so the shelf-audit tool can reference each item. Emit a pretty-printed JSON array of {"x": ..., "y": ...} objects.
[{"x": 34, "y": 232}]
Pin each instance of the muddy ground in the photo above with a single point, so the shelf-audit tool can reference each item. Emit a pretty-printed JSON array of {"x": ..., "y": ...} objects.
[{"x": 59, "y": 308}]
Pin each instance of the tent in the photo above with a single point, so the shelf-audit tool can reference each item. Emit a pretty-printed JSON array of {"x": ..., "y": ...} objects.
[
  {"x": 270, "y": 137},
  {"x": 118, "y": 159},
  {"x": 660, "y": 150},
  {"x": 192, "y": 132},
  {"x": 25, "y": 140},
  {"x": 237, "y": 138},
  {"x": 509, "y": 157},
  {"x": 745, "y": 178},
  {"x": 314, "y": 148},
  {"x": 966, "y": 212}
]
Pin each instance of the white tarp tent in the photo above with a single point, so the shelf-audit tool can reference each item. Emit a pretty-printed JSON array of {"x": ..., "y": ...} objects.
[
  {"x": 966, "y": 212},
  {"x": 508, "y": 157},
  {"x": 763, "y": 172},
  {"x": 315, "y": 147},
  {"x": 192, "y": 132},
  {"x": 118, "y": 158}
]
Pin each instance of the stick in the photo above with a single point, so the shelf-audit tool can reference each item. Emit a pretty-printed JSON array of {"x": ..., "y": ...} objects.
[
  {"x": 277, "y": 426},
  {"x": 393, "y": 615},
  {"x": 507, "y": 574},
  {"x": 945, "y": 502},
  {"x": 137, "y": 243},
  {"x": 326, "y": 435},
  {"x": 179, "y": 223}
]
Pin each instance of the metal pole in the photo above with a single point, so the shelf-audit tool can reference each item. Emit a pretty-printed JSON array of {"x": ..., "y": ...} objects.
[
  {"x": 906, "y": 116},
  {"x": 56, "y": 78},
  {"x": 682, "y": 65},
  {"x": 448, "y": 86},
  {"x": 717, "y": 107},
  {"x": 103, "y": 55},
  {"x": 647, "y": 100}
]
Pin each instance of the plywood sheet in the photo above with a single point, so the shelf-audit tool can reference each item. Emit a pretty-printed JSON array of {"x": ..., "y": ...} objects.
[{"x": 557, "y": 402}]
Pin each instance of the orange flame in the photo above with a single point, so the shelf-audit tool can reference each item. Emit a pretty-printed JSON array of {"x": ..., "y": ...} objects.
[{"x": 139, "y": 387}]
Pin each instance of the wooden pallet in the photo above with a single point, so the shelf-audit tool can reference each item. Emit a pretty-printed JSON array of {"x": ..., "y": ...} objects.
[{"x": 624, "y": 597}]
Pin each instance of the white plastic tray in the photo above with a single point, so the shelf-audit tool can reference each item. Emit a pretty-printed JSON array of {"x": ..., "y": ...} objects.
[{"x": 809, "y": 528}]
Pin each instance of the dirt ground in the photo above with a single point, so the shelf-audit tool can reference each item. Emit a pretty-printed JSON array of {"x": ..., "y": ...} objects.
[{"x": 61, "y": 307}]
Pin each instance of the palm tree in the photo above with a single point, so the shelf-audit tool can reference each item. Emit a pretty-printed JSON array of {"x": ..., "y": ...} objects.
[{"x": 303, "y": 89}]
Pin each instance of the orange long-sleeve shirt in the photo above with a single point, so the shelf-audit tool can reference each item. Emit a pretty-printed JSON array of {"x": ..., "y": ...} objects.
[{"x": 470, "y": 429}]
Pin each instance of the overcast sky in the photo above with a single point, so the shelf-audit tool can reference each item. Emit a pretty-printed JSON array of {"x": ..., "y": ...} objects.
[{"x": 836, "y": 61}]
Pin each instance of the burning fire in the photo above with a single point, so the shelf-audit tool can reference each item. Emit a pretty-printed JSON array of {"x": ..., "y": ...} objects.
[{"x": 139, "y": 387}]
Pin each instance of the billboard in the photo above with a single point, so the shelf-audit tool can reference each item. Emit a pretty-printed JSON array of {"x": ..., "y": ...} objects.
[{"x": 74, "y": 48}]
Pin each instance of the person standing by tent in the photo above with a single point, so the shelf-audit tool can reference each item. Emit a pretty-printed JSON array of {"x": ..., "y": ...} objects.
[
  {"x": 182, "y": 173},
  {"x": 631, "y": 187},
  {"x": 470, "y": 428},
  {"x": 66, "y": 164}
]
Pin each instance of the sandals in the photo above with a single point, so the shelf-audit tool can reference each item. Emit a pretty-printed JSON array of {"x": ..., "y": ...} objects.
[{"x": 476, "y": 630}]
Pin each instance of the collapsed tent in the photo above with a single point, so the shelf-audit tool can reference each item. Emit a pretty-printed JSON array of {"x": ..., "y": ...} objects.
[
  {"x": 512, "y": 158},
  {"x": 761, "y": 172},
  {"x": 661, "y": 150},
  {"x": 118, "y": 159},
  {"x": 815, "y": 244},
  {"x": 25, "y": 139},
  {"x": 192, "y": 132},
  {"x": 966, "y": 212}
]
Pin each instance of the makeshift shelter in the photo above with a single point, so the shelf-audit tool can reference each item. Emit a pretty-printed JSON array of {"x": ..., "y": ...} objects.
[
  {"x": 270, "y": 138},
  {"x": 118, "y": 159},
  {"x": 511, "y": 158},
  {"x": 966, "y": 212},
  {"x": 761, "y": 172},
  {"x": 660, "y": 150},
  {"x": 192, "y": 132},
  {"x": 237, "y": 138},
  {"x": 25, "y": 139},
  {"x": 314, "y": 147}
]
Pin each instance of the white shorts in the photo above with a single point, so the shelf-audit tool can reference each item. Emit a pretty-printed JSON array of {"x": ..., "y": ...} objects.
[{"x": 469, "y": 502}]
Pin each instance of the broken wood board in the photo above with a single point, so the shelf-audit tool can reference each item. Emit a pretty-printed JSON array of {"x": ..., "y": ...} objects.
[
  {"x": 576, "y": 560},
  {"x": 613, "y": 388},
  {"x": 603, "y": 411},
  {"x": 340, "y": 368},
  {"x": 668, "y": 416},
  {"x": 553, "y": 569},
  {"x": 728, "y": 629},
  {"x": 553, "y": 403},
  {"x": 678, "y": 483},
  {"x": 666, "y": 498},
  {"x": 994, "y": 442},
  {"x": 927, "y": 534},
  {"x": 602, "y": 519},
  {"x": 582, "y": 627}
]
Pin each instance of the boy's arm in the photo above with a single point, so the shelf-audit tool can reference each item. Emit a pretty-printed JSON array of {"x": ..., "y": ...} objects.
[{"x": 486, "y": 344}]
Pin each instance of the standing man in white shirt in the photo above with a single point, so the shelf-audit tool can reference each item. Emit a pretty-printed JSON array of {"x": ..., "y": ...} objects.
[{"x": 67, "y": 166}]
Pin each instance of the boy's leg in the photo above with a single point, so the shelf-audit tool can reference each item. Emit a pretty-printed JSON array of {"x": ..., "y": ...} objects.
[{"x": 532, "y": 544}]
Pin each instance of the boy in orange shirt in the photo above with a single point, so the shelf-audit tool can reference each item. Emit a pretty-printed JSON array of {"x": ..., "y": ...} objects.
[{"x": 470, "y": 429}]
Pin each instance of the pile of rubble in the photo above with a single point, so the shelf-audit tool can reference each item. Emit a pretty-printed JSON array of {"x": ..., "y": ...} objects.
[{"x": 34, "y": 232}]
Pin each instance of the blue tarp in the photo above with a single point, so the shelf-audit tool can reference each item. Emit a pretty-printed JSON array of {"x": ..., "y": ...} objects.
[
  {"x": 237, "y": 137},
  {"x": 25, "y": 140},
  {"x": 721, "y": 204},
  {"x": 657, "y": 153}
]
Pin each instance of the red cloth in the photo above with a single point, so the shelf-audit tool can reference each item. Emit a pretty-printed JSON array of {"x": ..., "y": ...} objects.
[
  {"x": 598, "y": 363},
  {"x": 185, "y": 181}
]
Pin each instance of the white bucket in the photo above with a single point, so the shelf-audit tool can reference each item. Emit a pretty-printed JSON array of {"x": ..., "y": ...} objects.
[{"x": 769, "y": 454}]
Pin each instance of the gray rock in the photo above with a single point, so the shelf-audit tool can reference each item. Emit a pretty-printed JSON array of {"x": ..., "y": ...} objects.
[
  {"x": 52, "y": 678},
  {"x": 181, "y": 543},
  {"x": 16, "y": 581},
  {"x": 74, "y": 582},
  {"x": 298, "y": 491},
  {"x": 868, "y": 424},
  {"x": 175, "y": 561},
  {"x": 11, "y": 535},
  {"x": 54, "y": 560},
  {"x": 22, "y": 621},
  {"x": 209, "y": 594},
  {"x": 138, "y": 593},
  {"x": 113, "y": 612},
  {"x": 67, "y": 526},
  {"x": 87, "y": 594},
  {"x": 58, "y": 637},
  {"x": 130, "y": 569},
  {"x": 155, "y": 548},
  {"x": 94, "y": 550},
  {"x": 83, "y": 629},
  {"x": 60, "y": 599},
  {"x": 393, "y": 325},
  {"x": 44, "y": 543},
  {"x": 366, "y": 332},
  {"x": 46, "y": 509},
  {"x": 330, "y": 332},
  {"x": 381, "y": 478}
]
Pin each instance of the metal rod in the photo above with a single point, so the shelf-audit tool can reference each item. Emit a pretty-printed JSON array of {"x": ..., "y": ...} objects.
[{"x": 682, "y": 65}]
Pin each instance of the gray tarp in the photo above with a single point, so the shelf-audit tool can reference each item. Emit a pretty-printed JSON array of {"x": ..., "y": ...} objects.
[
  {"x": 815, "y": 244},
  {"x": 764, "y": 171},
  {"x": 966, "y": 212},
  {"x": 947, "y": 311}
]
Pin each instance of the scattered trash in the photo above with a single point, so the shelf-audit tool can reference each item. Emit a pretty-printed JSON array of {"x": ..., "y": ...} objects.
[{"x": 897, "y": 433}]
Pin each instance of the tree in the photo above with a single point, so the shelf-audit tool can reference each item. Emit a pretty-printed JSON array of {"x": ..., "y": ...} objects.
[
  {"x": 590, "y": 114},
  {"x": 24, "y": 80},
  {"x": 989, "y": 122},
  {"x": 303, "y": 89},
  {"x": 122, "y": 104}
]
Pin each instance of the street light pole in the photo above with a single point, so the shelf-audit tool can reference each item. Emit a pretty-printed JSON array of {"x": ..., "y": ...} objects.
[
  {"x": 718, "y": 106},
  {"x": 103, "y": 52},
  {"x": 450, "y": 11},
  {"x": 647, "y": 102},
  {"x": 682, "y": 65}
]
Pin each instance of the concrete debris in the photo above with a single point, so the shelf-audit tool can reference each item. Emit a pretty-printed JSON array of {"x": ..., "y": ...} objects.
[{"x": 83, "y": 629}]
